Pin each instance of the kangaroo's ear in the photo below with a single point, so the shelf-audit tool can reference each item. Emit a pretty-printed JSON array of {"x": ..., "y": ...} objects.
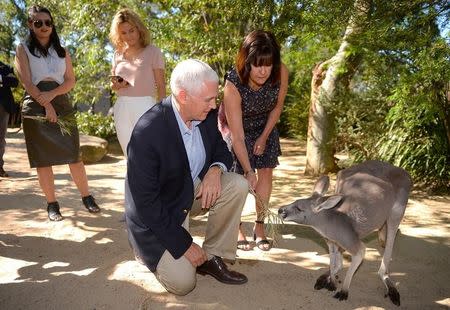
[
  {"x": 321, "y": 185},
  {"x": 330, "y": 203}
]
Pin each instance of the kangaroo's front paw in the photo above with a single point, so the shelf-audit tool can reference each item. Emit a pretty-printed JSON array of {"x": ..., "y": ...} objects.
[
  {"x": 321, "y": 282},
  {"x": 330, "y": 286}
]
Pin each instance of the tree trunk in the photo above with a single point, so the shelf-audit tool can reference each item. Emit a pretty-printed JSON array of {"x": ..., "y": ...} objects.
[
  {"x": 329, "y": 78},
  {"x": 446, "y": 110}
]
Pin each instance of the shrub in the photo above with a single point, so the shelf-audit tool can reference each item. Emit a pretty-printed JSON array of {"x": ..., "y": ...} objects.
[{"x": 96, "y": 125}]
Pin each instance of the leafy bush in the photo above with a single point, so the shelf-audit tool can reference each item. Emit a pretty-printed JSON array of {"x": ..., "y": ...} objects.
[
  {"x": 96, "y": 125},
  {"x": 405, "y": 125},
  {"x": 294, "y": 118},
  {"x": 416, "y": 139}
]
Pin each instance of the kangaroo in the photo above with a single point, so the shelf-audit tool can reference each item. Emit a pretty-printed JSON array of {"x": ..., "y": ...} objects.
[{"x": 368, "y": 196}]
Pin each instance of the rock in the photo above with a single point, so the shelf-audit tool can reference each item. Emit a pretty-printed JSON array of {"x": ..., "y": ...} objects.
[
  {"x": 92, "y": 148},
  {"x": 114, "y": 147}
]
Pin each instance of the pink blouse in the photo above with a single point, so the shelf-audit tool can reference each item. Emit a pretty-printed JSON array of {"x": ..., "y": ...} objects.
[{"x": 139, "y": 72}]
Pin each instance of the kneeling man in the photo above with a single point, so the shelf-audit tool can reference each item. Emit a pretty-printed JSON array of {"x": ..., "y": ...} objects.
[{"x": 177, "y": 166}]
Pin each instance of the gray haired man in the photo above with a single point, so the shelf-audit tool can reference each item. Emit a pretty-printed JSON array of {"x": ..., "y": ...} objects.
[{"x": 178, "y": 166}]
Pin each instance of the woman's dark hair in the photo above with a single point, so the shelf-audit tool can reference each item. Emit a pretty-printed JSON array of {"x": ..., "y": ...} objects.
[
  {"x": 260, "y": 48},
  {"x": 33, "y": 43}
]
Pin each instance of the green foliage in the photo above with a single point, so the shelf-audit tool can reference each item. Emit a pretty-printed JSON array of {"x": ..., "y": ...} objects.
[
  {"x": 314, "y": 39},
  {"x": 420, "y": 150},
  {"x": 86, "y": 33},
  {"x": 212, "y": 30},
  {"x": 396, "y": 110},
  {"x": 393, "y": 108},
  {"x": 96, "y": 125},
  {"x": 417, "y": 138},
  {"x": 294, "y": 119},
  {"x": 6, "y": 32}
]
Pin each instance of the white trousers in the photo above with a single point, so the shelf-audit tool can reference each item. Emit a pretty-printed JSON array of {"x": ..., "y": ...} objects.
[{"x": 127, "y": 111}]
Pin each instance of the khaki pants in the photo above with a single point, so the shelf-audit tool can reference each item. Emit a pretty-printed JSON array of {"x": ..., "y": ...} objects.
[{"x": 178, "y": 276}]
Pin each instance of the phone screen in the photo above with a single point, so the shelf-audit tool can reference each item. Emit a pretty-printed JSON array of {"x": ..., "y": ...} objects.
[{"x": 118, "y": 78}]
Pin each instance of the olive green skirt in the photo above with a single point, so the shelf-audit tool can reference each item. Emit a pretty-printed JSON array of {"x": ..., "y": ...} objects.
[{"x": 46, "y": 144}]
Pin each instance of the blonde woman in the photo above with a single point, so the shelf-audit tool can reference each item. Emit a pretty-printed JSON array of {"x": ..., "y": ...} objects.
[{"x": 137, "y": 73}]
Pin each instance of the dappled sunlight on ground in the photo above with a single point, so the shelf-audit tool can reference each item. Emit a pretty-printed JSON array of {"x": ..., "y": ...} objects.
[
  {"x": 135, "y": 273},
  {"x": 84, "y": 272},
  {"x": 9, "y": 269},
  {"x": 36, "y": 224},
  {"x": 424, "y": 221},
  {"x": 444, "y": 302}
]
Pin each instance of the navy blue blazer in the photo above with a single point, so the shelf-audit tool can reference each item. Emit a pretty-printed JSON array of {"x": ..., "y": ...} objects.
[
  {"x": 159, "y": 190},
  {"x": 8, "y": 81}
]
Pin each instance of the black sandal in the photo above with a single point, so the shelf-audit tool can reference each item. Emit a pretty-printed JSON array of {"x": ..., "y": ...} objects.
[
  {"x": 261, "y": 243},
  {"x": 53, "y": 211},
  {"x": 243, "y": 245},
  {"x": 90, "y": 204}
]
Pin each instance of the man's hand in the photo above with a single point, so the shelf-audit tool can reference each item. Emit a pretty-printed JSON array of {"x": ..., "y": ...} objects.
[
  {"x": 196, "y": 255},
  {"x": 210, "y": 188}
]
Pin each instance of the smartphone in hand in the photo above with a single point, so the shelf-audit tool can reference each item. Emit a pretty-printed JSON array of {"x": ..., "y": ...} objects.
[{"x": 118, "y": 79}]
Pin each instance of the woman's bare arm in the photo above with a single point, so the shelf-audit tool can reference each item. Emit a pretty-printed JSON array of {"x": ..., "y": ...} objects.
[{"x": 160, "y": 83}]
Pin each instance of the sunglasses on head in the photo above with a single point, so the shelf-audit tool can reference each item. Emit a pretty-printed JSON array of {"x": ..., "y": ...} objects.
[{"x": 38, "y": 23}]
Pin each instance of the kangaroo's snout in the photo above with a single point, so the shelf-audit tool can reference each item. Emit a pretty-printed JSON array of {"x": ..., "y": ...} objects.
[{"x": 282, "y": 212}]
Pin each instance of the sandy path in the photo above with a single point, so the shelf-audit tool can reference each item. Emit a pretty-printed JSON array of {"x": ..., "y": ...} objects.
[{"x": 84, "y": 262}]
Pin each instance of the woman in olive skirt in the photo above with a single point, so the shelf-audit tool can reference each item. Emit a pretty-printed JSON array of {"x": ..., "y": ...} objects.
[{"x": 46, "y": 72}]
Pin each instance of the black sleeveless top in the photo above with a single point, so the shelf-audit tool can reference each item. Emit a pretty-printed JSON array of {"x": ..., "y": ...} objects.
[{"x": 256, "y": 107}]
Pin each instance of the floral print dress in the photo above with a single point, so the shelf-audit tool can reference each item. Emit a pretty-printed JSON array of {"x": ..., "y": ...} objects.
[{"x": 256, "y": 107}]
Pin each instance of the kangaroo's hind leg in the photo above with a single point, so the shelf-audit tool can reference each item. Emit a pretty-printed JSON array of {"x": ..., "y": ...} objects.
[{"x": 392, "y": 225}]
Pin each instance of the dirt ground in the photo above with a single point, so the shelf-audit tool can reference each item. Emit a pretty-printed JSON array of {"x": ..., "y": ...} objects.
[{"x": 84, "y": 261}]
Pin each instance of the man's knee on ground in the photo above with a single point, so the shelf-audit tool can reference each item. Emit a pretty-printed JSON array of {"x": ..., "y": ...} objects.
[{"x": 182, "y": 285}]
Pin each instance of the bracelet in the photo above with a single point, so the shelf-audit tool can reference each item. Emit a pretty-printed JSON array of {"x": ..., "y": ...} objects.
[{"x": 246, "y": 173}]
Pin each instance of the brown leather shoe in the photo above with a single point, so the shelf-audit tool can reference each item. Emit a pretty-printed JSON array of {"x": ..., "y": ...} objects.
[{"x": 217, "y": 268}]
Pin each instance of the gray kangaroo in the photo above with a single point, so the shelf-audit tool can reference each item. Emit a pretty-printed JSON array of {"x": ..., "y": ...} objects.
[{"x": 368, "y": 196}]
